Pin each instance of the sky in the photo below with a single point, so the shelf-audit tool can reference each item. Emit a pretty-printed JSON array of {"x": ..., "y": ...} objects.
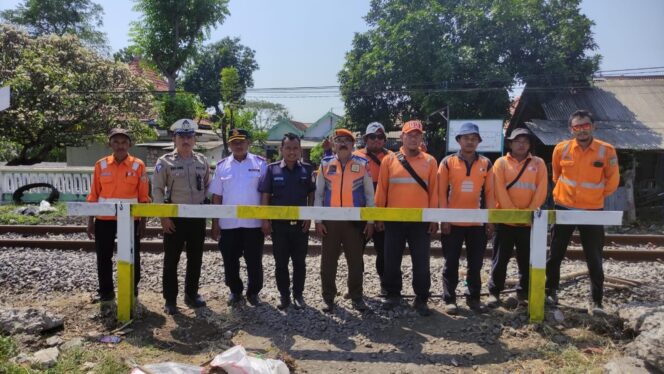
[{"x": 302, "y": 43}]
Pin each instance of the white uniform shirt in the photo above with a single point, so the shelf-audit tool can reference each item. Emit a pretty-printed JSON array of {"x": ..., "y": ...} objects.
[{"x": 237, "y": 184}]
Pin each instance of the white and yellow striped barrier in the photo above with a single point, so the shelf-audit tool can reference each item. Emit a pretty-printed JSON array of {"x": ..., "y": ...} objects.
[{"x": 539, "y": 220}]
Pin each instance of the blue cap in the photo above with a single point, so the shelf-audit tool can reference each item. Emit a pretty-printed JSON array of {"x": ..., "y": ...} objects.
[{"x": 468, "y": 128}]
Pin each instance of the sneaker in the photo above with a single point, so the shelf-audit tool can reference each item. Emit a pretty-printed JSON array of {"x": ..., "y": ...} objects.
[
  {"x": 551, "y": 299},
  {"x": 476, "y": 305},
  {"x": 298, "y": 302},
  {"x": 359, "y": 305},
  {"x": 194, "y": 302},
  {"x": 595, "y": 309},
  {"x": 170, "y": 309},
  {"x": 493, "y": 301},
  {"x": 329, "y": 306},
  {"x": 421, "y": 307},
  {"x": 391, "y": 302},
  {"x": 234, "y": 299},
  {"x": 254, "y": 300},
  {"x": 451, "y": 309},
  {"x": 284, "y": 303}
]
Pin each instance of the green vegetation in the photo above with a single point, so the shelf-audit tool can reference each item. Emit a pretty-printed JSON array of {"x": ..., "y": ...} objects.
[
  {"x": 8, "y": 216},
  {"x": 70, "y": 362}
]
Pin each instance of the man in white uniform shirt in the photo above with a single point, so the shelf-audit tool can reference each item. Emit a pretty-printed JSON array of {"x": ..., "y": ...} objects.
[{"x": 235, "y": 182}]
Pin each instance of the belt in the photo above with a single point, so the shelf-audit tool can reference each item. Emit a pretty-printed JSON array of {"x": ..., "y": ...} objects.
[{"x": 285, "y": 222}]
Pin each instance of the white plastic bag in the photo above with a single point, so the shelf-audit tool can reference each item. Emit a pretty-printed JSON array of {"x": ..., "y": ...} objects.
[
  {"x": 236, "y": 361},
  {"x": 169, "y": 368}
]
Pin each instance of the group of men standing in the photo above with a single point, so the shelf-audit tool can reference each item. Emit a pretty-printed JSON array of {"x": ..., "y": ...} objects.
[{"x": 585, "y": 171}]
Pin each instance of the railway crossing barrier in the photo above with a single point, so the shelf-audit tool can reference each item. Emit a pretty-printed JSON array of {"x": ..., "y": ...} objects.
[{"x": 539, "y": 219}]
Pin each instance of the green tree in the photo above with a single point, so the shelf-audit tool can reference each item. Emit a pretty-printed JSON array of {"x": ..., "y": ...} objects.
[
  {"x": 181, "y": 105},
  {"x": 63, "y": 94},
  {"x": 266, "y": 113},
  {"x": 201, "y": 76},
  {"x": 419, "y": 56},
  {"x": 232, "y": 97},
  {"x": 169, "y": 32},
  {"x": 79, "y": 17}
]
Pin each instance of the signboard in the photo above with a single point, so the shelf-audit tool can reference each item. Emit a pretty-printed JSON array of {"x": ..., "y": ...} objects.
[
  {"x": 4, "y": 98},
  {"x": 491, "y": 131}
]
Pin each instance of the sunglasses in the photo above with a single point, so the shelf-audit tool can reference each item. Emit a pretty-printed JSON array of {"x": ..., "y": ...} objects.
[
  {"x": 582, "y": 126},
  {"x": 374, "y": 137},
  {"x": 343, "y": 141}
]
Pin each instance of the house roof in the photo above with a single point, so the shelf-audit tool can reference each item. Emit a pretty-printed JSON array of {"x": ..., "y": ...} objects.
[
  {"x": 629, "y": 113},
  {"x": 158, "y": 83},
  {"x": 299, "y": 125}
]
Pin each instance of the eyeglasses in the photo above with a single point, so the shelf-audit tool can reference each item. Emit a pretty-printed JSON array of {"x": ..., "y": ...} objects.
[
  {"x": 343, "y": 141},
  {"x": 582, "y": 126},
  {"x": 374, "y": 137}
]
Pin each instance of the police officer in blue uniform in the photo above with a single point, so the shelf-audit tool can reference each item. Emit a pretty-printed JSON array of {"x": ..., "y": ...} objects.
[
  {"x": 289, "y": 182},
  {"x": 235, "y": 182}
]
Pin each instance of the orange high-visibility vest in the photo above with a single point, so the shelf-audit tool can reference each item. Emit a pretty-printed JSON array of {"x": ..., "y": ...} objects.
[
  {"x": 344, "y": 186},
  {"x": 584, "y": 177},
  {"x": 123, "y": 182}
]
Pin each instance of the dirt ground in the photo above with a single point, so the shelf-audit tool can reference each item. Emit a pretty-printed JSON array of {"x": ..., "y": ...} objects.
[{"x": 403, "y": 342}]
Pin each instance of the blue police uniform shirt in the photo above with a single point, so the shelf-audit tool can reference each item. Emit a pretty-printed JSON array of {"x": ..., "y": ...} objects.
[
  {"x": 237, "y": 184},
  {"x": 288, "y": 187}
]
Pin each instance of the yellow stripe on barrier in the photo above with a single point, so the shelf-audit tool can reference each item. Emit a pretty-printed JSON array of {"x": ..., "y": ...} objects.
[
  {"x": 391, "y": 214},
  {"x": 269, "y": 212},
  {"x": 154, "y": 210},
  {"x": 536, "y": 294},
  {"x": 125, "y": 290},
  {"x": 510, "y": 216},
  {"x": 552, "y": 217}
]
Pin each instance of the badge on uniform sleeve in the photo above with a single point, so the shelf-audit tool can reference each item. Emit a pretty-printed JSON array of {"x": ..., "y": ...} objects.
[
  {"x": 355, "y": 168},
  {"x": 157, "y": 168}
]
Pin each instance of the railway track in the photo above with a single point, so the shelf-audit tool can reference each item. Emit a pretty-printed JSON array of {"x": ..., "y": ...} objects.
[{"x": 151, "y": 244}]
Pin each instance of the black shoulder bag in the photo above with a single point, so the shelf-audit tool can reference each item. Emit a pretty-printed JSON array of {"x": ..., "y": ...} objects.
[
  {"x": 518, "y": 175},
  {"x": 411, "y": 171}
]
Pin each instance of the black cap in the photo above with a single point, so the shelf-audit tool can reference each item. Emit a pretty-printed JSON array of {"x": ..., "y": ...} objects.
[{"x": 238, "y": 134}]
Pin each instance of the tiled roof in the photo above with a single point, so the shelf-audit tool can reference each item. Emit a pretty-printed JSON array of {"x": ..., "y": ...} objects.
[{"x": 157, "y": 82}]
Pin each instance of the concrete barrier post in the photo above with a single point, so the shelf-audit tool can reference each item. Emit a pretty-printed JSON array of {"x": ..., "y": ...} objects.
[{"x": 125, "y": 262}]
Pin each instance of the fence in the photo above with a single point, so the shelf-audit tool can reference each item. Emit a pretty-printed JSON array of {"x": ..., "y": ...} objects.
[{"x": 538, "y": 220}]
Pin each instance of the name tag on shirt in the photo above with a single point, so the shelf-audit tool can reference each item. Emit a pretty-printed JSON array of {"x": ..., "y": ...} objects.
[{"x": 355, "y": 168}]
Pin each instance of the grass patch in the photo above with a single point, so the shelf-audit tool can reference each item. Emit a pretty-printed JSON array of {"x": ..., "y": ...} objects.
[
  {"x": 70, "y": 362},
  {"x": 569, "y": 359},
  {"x": 8, "y": 215}
]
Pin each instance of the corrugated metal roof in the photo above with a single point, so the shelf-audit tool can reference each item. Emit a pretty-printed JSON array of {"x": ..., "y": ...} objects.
[
  {"x": 622, "y": 135},
  {"x": 629, "y": 113}
]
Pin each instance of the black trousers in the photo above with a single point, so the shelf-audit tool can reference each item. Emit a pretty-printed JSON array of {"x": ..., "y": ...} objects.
[
  {"x": 105, "y": 233},
  {"x": 507, "y": 237},
  {"x": 190, "y": 234},
  {"x": 419, "y": 243},
  {"x": 289, "y": 243},
  {"x": 475, "y": 238},
  {"x": 592, "y": 241},
  {"x": 247, "y": 243},
  {"x": 378, "y": 239}
]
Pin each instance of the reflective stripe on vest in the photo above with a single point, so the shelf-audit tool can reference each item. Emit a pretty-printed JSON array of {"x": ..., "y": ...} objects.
[
  {"x": 135, "y": 166},
  {"x": 593, "y": 185},
  {"x": 602, "y": 151},
  {"x": 104, "y": 164},
  {"x": 565, "y": 151},
  {"x": 568, "y": 182},
  {"x": 525, "y": 186},
  {"x": 405, "y": 180},
  {"x": 117, "y": 200}
]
